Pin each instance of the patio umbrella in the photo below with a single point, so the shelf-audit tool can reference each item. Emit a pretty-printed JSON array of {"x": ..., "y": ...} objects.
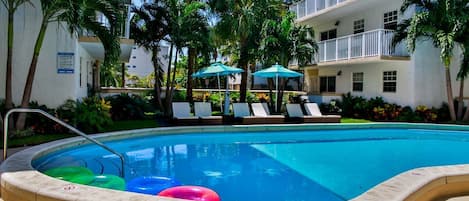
[
  {"x": 219, "y": 69},
  {"x": 276, "y": 71}
]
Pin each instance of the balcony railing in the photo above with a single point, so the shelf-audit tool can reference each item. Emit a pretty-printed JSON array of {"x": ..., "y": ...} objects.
[
  {"x": 307, "y": 7},
  {"x": 367, "y": 44}
]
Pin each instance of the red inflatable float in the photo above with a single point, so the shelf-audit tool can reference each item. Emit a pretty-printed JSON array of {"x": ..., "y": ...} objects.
[{"x": 196, "y": 193}]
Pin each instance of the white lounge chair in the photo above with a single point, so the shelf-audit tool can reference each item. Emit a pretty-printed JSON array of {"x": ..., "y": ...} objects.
[
  {"x": 243, "y": 114},
  {"x": 313, "y": 110},
  {"x": 203, "y": 110},
  {"x": 261, "y": 110},
  {"x": 182, "y": 113}
]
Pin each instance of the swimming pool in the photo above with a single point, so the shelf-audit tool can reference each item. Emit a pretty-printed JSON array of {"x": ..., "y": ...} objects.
[{"x": 292, "y": 163}]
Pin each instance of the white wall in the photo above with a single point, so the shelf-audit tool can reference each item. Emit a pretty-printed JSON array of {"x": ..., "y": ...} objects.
[
  {"x": 373, "y": 19},
  {"x": 373, "y": 80},
  {"x": 140, "y": 63},
  {"x": 49, "y": 87}
]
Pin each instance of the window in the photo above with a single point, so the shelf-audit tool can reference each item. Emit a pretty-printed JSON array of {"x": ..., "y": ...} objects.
[
  {"x": 389, "y": 81},
  {"x": 359, "y": 26},
  {"x": 357, "y": 81},
  {"x": 327, "y": 35},
  {"x": 327, "y": 84},
  {"x": 390, "y": 20}
]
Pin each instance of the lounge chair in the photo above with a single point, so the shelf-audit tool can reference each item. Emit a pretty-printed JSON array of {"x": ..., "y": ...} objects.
[
  {"x": 295, "y": 113},
  {"x": 312, "y": 109},
  {"x": 261, "y": 110},
  {"x": 182, "y": 114},
  {"x": 243, "y": 114},
  {"x": 203, "y": 110}
]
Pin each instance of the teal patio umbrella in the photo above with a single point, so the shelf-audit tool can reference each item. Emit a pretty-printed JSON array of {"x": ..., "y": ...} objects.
[
  {"x": 276, "y": 71},
  {"x": 218, "y": 69}
]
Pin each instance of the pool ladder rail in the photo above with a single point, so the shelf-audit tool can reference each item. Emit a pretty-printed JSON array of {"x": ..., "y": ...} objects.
[{"x": 73, "y": 129}]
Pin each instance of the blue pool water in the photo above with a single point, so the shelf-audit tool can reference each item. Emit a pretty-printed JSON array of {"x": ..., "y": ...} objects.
[{"x": 324, "y": 165}]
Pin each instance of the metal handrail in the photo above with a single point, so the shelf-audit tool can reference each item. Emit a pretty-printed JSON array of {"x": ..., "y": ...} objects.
[{"x": 27, "y": 110}]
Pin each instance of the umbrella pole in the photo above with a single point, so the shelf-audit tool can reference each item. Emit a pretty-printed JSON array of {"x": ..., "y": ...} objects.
[
  {"x": 219, "y": 92},
  {"x": 276, "y": 92},
  {"x": 227, "y": 98}
]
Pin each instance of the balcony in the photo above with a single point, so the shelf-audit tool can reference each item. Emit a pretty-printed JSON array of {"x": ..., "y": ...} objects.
[
  {"x": 309, "y": 7},
  {"x": 375, "y": 43}
]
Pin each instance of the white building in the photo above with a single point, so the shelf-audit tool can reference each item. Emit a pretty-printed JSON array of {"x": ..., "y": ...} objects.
[
  {"x": 53, "y": 83},
  {"x": 140, "y": 63},
  {"x": 355, "y": 55}
]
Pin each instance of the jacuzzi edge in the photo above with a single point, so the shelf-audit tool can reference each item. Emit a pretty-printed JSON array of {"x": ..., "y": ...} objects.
[{"x": 19, "y": 180}]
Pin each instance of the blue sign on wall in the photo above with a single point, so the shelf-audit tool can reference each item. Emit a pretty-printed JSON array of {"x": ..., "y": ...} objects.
[{"x": 65, "y": 62}]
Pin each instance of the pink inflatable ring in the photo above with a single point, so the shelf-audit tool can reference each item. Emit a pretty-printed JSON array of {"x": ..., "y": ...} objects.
[{"x": 196, "y": 193}]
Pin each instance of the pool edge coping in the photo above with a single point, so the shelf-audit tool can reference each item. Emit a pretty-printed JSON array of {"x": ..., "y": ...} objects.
[{"x": 18, "y": 175}]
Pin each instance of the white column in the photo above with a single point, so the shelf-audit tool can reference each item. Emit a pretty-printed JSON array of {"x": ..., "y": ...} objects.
[
  {"x": 363, "y": 44},
  {"x": 325, "y": 50},
  {"x": 349, "y": 47},
  {"x": 380, "y": 50},
  {"x": 336, "y": 49},
  {"x": 315, "y": 5}
]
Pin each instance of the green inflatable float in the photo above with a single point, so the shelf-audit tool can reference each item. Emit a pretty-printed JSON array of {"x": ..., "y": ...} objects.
[
  {"x": 108, "y": 181},
  {"x": 82, "y": 175},
  {"x": 79, "y": 175}
]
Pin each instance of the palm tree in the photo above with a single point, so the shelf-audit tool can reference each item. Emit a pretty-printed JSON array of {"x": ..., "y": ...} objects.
[
  {"x": 11, "y": 6},
  {"x": 441, "y": 22},
  {"x": 197, "y": 35},
  {"x": 77, "y": 15},
  {"x": 149, "y": 26},
  {"x": 182, "y": 16},
  {"x": 240, "y": 23},
  {"x": 283, "y": 41}
]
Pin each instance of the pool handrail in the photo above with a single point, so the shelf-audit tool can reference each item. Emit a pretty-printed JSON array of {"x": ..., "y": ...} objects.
[{"x": 78, "y": 132}]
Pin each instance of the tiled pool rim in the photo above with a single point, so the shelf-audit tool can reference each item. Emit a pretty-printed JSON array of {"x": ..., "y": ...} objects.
[{"x": 20, "y": 181}]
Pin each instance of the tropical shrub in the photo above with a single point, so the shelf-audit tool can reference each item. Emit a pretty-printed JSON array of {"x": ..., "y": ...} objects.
[
  {"x": 128, "y": 107},
  {"x": 93, "y": 114},
  {"x": 386, "y": 113},
  {"x": 40, "y": 124},
  {"x": 179, "y": 95},
  {"x": 426, "y": 114}
]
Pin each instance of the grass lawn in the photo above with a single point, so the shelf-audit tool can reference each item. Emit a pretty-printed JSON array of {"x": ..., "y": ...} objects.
[
  {"x": 350, "y": 120},
  {"x": 43, "y": 138},
  {"x": 131, "y": 124}
]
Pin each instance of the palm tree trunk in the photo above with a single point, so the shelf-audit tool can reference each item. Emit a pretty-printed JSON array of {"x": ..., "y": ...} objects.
[
  {"x": 466, "y": 115},
  {"x": 168, "y": 82},
  {"x": 270, "y": 83},
  {"x": 461, "y": 100},
  {"x": 8, "y": 79},
  {"x": 190, "y": 70},
  {"x": 173, "y": 79},
  {"x": 157, "y": 84},
  {"x": 243, "y": 62},
  {"x": 32, "y": 70},
  {"x": 449, "y": 91}
]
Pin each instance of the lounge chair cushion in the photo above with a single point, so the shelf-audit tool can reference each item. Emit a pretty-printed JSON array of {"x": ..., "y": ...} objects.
[
  {"x": 312, "y": 109},
  {"x": 241, "y": 110},
  {"x": 258, "y": 110},
  {"x": 294, "y": 110},
  {"x": 181, "y": 110},
  {"x": 203, "y": 109}
]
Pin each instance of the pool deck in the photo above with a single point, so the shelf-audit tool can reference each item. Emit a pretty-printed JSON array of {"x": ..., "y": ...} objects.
[{"x": 20, "y": 181}]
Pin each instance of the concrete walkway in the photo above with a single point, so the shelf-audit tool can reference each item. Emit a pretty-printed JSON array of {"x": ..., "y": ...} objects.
[{"x": 12, "y": 151}]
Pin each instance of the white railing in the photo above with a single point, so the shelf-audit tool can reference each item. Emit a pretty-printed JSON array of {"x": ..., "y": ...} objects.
[
  {"x": 367, "y": 44},
  {"x": 308, "y": 7}
]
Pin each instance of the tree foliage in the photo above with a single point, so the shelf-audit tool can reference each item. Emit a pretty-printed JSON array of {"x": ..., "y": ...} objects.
[{"x": 443, "y": 22}]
